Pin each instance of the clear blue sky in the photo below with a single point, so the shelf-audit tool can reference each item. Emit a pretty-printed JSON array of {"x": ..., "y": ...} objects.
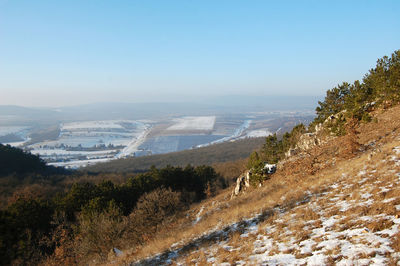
[{"x": 56, "y": 53}]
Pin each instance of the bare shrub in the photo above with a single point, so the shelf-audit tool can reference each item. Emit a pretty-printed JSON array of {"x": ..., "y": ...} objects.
[
  {"x": 100, "y": 232},
  {"x": 153, "y": 211},
  {"x": 351, "y": 144},
  {"x": 154, "y": 207}
]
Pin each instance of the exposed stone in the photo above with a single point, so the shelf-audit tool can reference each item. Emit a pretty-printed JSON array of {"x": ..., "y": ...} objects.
[
  {"x": 242, "y": 182},
  {"x": 114, "y": 252}
]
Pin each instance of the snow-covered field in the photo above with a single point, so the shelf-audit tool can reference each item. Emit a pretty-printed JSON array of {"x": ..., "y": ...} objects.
[
  {"x": 62, "y": 152},
  {"x": 80, "y": 163},
  {"x": 193, "y": 123},
  {"x": 133, "y": 146},
  {"x": 5, "y": 130},
  {"x": 109, "y": 139},
  {"x": 93, "y": 125},
  {"x": 236, "y": 135},
  {"x": 84, "y": 143},
  {"x": 258, "y": 133},
  {"x": 20, "y": 134}
]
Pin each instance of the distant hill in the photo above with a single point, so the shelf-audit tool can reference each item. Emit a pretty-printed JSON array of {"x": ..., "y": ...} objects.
[
  {"x": 228, "y": 104},
  {"x": 16, "y": 162},
  {"x": 228, "y": 151},
  {"x": 13, "y": 160}
]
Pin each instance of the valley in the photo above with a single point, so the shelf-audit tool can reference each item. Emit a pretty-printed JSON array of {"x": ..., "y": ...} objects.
[{"x": 83, "y": 143}]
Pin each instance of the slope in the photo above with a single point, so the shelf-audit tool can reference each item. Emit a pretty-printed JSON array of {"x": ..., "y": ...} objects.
[{"x": 323, "y": 206}]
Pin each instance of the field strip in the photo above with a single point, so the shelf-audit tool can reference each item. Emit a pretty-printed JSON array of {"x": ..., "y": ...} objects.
[{"x": 134, "y": 144}]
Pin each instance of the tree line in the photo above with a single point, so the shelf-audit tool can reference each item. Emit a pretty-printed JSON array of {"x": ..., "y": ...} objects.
[
  {"x": 349, "y": 103},
  {"x": 34, "y": 228}
]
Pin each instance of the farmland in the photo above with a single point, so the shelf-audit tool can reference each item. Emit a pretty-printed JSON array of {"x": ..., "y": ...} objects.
[{"x": 75, "y": 144}]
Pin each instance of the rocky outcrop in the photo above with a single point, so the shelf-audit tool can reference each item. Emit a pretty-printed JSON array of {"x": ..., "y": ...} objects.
[
  {"x": 242, "y": 182},
  {"x": 307, "y": 141},
  {"x": 114, "y": 253}
]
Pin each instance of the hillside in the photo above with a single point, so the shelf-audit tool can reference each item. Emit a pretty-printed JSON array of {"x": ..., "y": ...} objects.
[
  {"x": 14, "y": 161},
  {"x": 334, "y": 198},
  {"x": 223, "y": 152},
  {"x": 323, "y": 206}
]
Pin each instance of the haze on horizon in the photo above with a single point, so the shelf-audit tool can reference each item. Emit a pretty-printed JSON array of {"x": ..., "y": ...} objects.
[{"x": 55, "y": 53}]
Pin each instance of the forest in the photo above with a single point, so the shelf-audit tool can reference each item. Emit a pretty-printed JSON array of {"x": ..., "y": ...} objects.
[{"x": 33, "y": 227}]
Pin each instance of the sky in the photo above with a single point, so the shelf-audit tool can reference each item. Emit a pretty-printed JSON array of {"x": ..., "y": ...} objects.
[{"x": 57, "y": 53}]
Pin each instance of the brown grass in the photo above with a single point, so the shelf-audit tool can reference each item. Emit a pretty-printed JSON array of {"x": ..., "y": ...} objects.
[
  {"x": 396, "y": 242},
  {"x": 380, "y": 225},
  {"x": 288, "y": 188},
  {"x": 235, "y": 239}
]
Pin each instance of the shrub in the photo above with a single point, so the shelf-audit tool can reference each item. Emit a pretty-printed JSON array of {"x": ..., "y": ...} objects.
[
  {"x": 99, "y": 232},
  {"x": 155, "y": 207}
]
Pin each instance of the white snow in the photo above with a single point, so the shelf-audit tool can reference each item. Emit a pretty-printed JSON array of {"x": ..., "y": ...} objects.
[
  {"x": 335, "y": 237},
  {"x": 366, "y": 195},
  {"x": 5, "y": 130},
  {"x": 80, "y": 163},
  {"x": 61, "y": 152},
  {"x": 90, "y": 125},
  {"x": 17, "y": 143},
  {"x": 194, "y": 123},
  {"x": 344, "y": 205},
  {"x": 110, "y": 139},
  {"x": 133, "y": 146},
  {"x": 258, "y": 133},
  {"x": 198, "y": 216},
  {"x": 236, "y": 135}
]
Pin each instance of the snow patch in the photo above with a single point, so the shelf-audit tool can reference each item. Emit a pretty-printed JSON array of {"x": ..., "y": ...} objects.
[{"x": 194, "y": 123}]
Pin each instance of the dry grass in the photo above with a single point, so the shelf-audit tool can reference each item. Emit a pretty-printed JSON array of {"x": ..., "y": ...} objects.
[
  {"x": 290, "y": 186},
  {"x": 379, "y": 225},
  {"x": 396, "y": 242},
  {"x": 235, "y": 239}
]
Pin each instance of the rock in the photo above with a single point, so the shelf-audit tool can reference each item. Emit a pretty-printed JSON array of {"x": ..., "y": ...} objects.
[
  {"x": 247, "y": 179},
  {"x": 114, "y": 252},
  {"x": 307, "y": 141},
  {"x": 291, "y": 152},
  {"x": 242, "y": 182}
]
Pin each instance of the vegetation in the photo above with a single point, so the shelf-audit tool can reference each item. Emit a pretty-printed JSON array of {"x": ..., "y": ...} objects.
[
  {"x": 74, "y": 216},
  {"x": 89, "y": 218},
  {"x": 274, "y": 149},
  {"x": 17, "y": 161},
  {"x": 379, "y": 87},
  {"x": 346, "y": 104},
  {"x": 294, "y": 194},
  {"x": 218, "y": 153}
]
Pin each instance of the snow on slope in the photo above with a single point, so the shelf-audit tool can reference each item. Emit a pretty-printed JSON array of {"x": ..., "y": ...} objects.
[{"x": 353, "y": 221}]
